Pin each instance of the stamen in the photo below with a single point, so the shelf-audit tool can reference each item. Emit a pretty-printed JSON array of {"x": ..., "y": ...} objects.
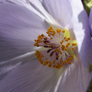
[
  {"x": 63, "y": 31},
  {"x": 72, "y": 48},
  {"x": 56, "y": 54}
]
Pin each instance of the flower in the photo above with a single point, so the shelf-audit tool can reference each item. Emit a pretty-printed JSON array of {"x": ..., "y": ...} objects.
[{"x": 20, "y": 24}]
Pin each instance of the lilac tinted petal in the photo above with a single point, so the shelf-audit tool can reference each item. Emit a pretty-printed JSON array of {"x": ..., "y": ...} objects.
[
  {"x": 90, "y": 20},
  {"x": 70, "y": 29},
  {"x": 60, "y": 10},
  {"x": 31, "y": 77},
  {"x": 18, "y": 29},
  {"x": 35, "y": 6},
  {"x": 76, "y": 78},
  {"x": 9, "y": 65},
  {"x": 24, "y": 3},
  {"x": 81, "y": 29},
  {"x": 39, "y": 7}
]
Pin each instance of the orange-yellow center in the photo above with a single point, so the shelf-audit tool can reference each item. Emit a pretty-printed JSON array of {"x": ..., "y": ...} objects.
[{"x": 57, "y": 46}]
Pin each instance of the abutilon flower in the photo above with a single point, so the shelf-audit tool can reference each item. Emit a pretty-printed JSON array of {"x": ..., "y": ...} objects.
[{"x": 44, "y": 46}]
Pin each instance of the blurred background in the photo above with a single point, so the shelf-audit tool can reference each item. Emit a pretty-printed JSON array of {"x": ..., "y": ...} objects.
[{"x": 87, "y": 5}]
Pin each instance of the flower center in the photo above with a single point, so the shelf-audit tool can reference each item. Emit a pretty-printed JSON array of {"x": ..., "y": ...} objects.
[{"x": 58, "y": 48}]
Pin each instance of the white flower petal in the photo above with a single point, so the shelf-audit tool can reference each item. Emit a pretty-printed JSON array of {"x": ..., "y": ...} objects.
[
  {"x": 18, "y": 29},
  {"x": 9, "y": 65},
  {"x": 81, "y": 29},
  {"x": 39, "y": 7},
  {"x": 76, "y": 78},
  {"x": 60, "y": 10},
  {"x": 35, "y": 6},
  {"x": 24, "y": 3},
  {"x": 31, "y": 77}
]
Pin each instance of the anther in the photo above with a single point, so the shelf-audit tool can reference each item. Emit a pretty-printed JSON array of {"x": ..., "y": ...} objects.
[
  {"x": 64, "y": 37},
  {"x": 63, "y": 31},
  {"x": 57, "y": 53},
  {"x": 72, "y": 48}
]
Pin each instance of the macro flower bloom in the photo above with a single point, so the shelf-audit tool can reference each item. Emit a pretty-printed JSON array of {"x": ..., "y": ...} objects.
[{"x": 57, "y": 33}]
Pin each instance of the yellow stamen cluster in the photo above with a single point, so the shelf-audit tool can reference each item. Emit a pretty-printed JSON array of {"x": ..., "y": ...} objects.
[
  {"x": 63, "y": 31},
  {"x": 39, "y": 40},
  {"x": 39, "y": 56},
  {"x": 67, "y": 45},
  {"x": 55, "y": 64},
  {"x": 58, "y": 31},
  {"x": 67, "y": 39},
  {"x": 74, "y": 44},
  {"x": 57, "y": 50},
  {"x": 51, "y": 31}
]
